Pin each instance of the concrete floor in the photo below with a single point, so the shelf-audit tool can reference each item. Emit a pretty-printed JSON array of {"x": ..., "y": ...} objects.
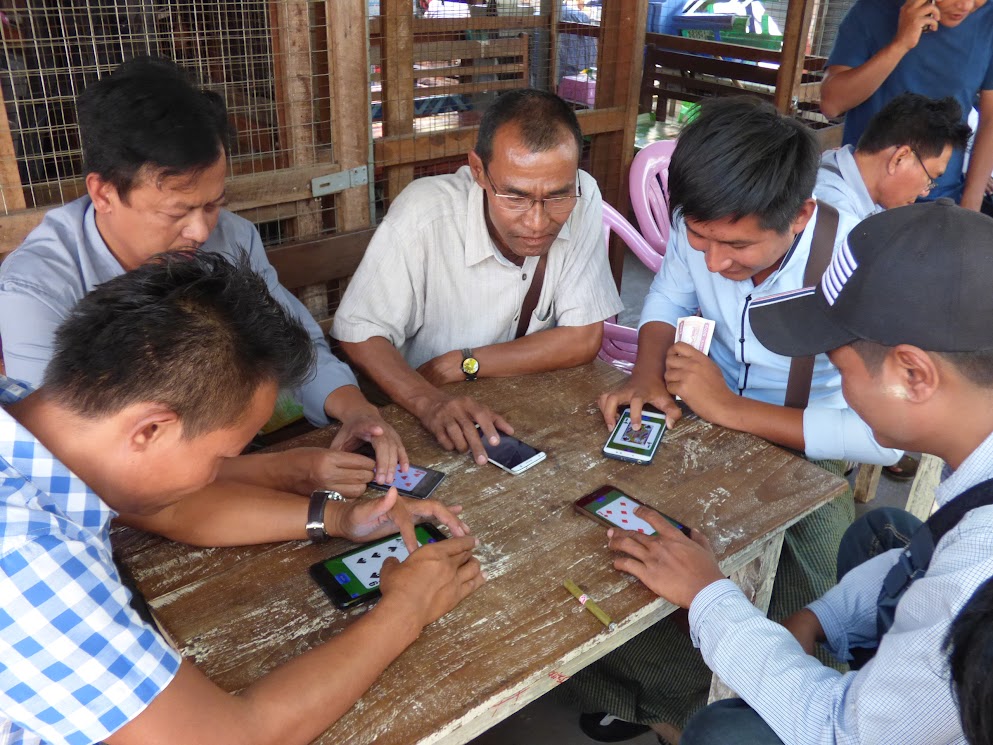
[{"x": 546, "y": 721}]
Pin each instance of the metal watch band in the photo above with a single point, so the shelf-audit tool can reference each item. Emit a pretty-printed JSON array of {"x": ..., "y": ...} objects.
[{"x": 315, "y": 513}]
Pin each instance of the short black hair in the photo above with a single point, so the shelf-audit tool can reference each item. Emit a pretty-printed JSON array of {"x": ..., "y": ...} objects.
[
  {"x": 540, "y": 116},
  {"x": 741, "y": 157},
  {"x": 190, "y": 330},
  {"x": 976, "y": 367},
  {"x": 970, "y": 647},
  {"x": 148, "y": 115},
  {"x": 924, "y": 124}
]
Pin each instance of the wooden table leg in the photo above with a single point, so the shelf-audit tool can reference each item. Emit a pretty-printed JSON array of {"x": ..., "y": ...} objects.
[
  {"x": 866, "y": 482},
  {"x": 755, "y": 579},
  {"x": 921, "y": 498}
]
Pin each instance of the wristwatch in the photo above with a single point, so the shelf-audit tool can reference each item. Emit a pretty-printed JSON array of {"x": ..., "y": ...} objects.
[
  {"x": 315, "y": 514},
  {"x": 470, "y": 365}
]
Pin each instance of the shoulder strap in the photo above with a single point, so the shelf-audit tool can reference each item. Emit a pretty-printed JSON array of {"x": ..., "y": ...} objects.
[
  {"x": 531, "y": 299},
  {"x": 915, "y": 560},
  {"x": 821, "y": 250}
]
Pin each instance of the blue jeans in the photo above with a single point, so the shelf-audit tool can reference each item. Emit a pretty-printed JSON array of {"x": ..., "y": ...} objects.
[{"x": 734, "y": 721}]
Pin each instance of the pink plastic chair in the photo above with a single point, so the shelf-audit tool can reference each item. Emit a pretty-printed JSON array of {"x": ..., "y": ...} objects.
[
  {"x": 648, "y": 184},
  {"x": 620, "y": 343}
]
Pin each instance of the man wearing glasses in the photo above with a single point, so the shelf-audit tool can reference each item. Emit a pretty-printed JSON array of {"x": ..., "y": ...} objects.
[
  {"x": 498, "y": 269},
  {"x": 899, "y": 158}
]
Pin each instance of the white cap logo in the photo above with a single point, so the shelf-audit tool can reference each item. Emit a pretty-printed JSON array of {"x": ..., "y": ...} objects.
[{"x": 842, "y": 266}]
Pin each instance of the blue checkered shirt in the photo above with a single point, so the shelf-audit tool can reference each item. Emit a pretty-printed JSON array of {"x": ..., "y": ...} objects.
[{"x": 76, "y": 662}]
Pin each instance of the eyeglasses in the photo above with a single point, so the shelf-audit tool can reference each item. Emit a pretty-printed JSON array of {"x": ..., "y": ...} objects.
[
  {"x": 931, "y": 183},
  {"x": 551, "y": 205}
]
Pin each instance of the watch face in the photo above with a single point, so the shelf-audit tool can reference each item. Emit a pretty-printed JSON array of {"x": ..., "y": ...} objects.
[{"x": 470, "y": 366}]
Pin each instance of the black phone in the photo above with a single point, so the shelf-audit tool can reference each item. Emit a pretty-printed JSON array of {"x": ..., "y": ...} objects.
[
  {"x": 419, "y": 482},
  {"x": 352, "y": 578},
  {"x": 610, "y": 506}
]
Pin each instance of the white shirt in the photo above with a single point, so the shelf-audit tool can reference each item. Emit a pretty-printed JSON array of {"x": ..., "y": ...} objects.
[
  {"x": 684, "y": 285},
  {"x": 432, "y": 280},
  {"x": 840, "y": 184},
  {"x": 903, "y": 695}
]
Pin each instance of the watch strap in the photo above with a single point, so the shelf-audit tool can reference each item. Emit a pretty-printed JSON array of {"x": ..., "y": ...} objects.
[{"x": 315, "y": 513}]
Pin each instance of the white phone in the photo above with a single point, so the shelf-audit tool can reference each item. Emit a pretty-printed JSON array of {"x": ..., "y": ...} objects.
[
  {"x": 636, "y": 446},
  {"x": 512, "y": 455}
]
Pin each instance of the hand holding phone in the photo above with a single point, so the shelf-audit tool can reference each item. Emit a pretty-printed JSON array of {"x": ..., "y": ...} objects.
[
  {"x": 418, "y": 482},
  {"x": 609, "y": 506},
  {"x": 636, "y": 445},
  {"x": 512, "y": 455}
]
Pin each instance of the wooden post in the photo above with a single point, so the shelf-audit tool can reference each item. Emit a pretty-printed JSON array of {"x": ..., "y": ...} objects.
[
  {"x": 348, "y": 65},
  {"x": 798, "y": 14},
  {"x": 398, "y": 84},
  {"x": 295, "y": 116},
  {"x": 921, "y": 499},
  {"x": 11, "y": 190},
  {"x": 619, "y": 68},
  {"x": 866, "y": 482}
]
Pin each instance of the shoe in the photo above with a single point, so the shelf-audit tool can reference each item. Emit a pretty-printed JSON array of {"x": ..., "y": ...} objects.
[
  {"x": 903, "y": 470},
  {"x": 604, "y": 727}
]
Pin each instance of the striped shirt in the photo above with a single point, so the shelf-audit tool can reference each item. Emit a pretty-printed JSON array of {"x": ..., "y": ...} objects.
[
  {"x": 903, "y": 695},
  {"x": 76, "y": 662}
]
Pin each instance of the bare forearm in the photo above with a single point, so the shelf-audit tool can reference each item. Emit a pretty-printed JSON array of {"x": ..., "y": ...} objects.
[
  {"x": 383, "y": 363},
  {"x": 228, "y": 513},
  {"x": 552, "y": 349},
  {"x": 346, "y": 401},
  {"x": 778, "y": 424},
  {"x": 654, "y": 340},
  {"x": 268, "y": 470},
  {"x": 981, "y": 161},
  {"x": 844, "y": 88}
]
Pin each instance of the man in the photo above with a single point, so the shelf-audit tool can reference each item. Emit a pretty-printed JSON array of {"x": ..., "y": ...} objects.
[
  {"x": 970, "y": 643},
  {"x": 744, "y": 222},
  {"x": 154, "y": 151},
  {"x": 441, "y": 291},
  {"x": 124, "y": 422},
  {"x": 902, "y": 154},
  {"x": 903, "y": 151},
  {"x": 935, "y": 49},
  {"x": 902, "y": 312}
]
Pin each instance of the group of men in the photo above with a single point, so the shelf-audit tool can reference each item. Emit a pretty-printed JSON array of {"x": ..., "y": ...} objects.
[{"x": 146, "y": 337}]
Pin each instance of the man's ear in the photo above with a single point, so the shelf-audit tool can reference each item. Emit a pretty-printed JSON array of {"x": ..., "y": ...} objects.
[
  {"x": 102, "y": 193},
  {"x": 151, "y": 425},
  {"x": 803, "y": 216},
  {"x": 476, "y": 167},
  {"x": 915, "y": 372},
  {"x": 899, "y": 155}
]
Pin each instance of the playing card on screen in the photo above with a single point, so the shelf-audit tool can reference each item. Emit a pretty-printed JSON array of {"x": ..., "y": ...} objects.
[
  {"x": 620, "y": 512},
  {"x": 695, "y": 331},
  {"x": 367, "y": 564}
]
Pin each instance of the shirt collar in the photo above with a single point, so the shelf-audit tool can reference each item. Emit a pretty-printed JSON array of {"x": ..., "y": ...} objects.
[
  {"x": 93, "y": 237},
  {"x": 60, "y": 490},
  {"x": 479, "y": 245},
  {"x": 852, "y": 176},
  {"x": 978, "y": 467}
]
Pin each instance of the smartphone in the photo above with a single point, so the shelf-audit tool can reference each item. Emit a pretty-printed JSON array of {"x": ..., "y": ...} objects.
[
  {"x": 615, "y": 509},
  {"x": 352, "y": 578},
  {"x": 419, "y": 482},
  {"x": 512, "y": 455},
  {"x": 636, "y": 446}
]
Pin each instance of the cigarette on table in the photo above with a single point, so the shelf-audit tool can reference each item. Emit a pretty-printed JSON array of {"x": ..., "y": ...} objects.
[{"x": 592, "y": 607}]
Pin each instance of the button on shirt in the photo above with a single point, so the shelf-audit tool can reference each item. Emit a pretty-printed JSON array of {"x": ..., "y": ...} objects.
[
  {"x": 840, "y": 184},
  {"x": 65, "y": 257},
  {"x": 432, "y": 279},
  {"x": 684, "y": 285},
  {"x": 903, "y": 695},
  {"x": 76, "y": 662}
]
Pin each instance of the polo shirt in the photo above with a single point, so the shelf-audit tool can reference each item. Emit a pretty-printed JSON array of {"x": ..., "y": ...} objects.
[
  {"x": 432, "y": 280},
  {"x": 76, "y": 661},
  {"x": 65, "y": 257}
]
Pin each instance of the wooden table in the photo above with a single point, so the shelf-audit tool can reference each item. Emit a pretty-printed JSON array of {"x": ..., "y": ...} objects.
[{"x": 238, "y": 613}]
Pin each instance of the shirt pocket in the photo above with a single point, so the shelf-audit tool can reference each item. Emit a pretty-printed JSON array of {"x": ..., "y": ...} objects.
[{"x": 541, "y": 321}]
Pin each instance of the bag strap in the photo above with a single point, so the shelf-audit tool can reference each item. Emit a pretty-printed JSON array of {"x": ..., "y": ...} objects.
[
  {"x": 916, "y": 558},
  {"x": 821, "y": 250},
  {"x": 531, "y": 298}
]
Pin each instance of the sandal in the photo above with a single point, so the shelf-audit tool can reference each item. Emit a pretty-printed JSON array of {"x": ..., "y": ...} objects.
[{"x": 903, "y": 470}]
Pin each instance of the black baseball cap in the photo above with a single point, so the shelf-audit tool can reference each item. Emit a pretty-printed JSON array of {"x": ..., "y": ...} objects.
[{"x": 921, "y": 275}]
